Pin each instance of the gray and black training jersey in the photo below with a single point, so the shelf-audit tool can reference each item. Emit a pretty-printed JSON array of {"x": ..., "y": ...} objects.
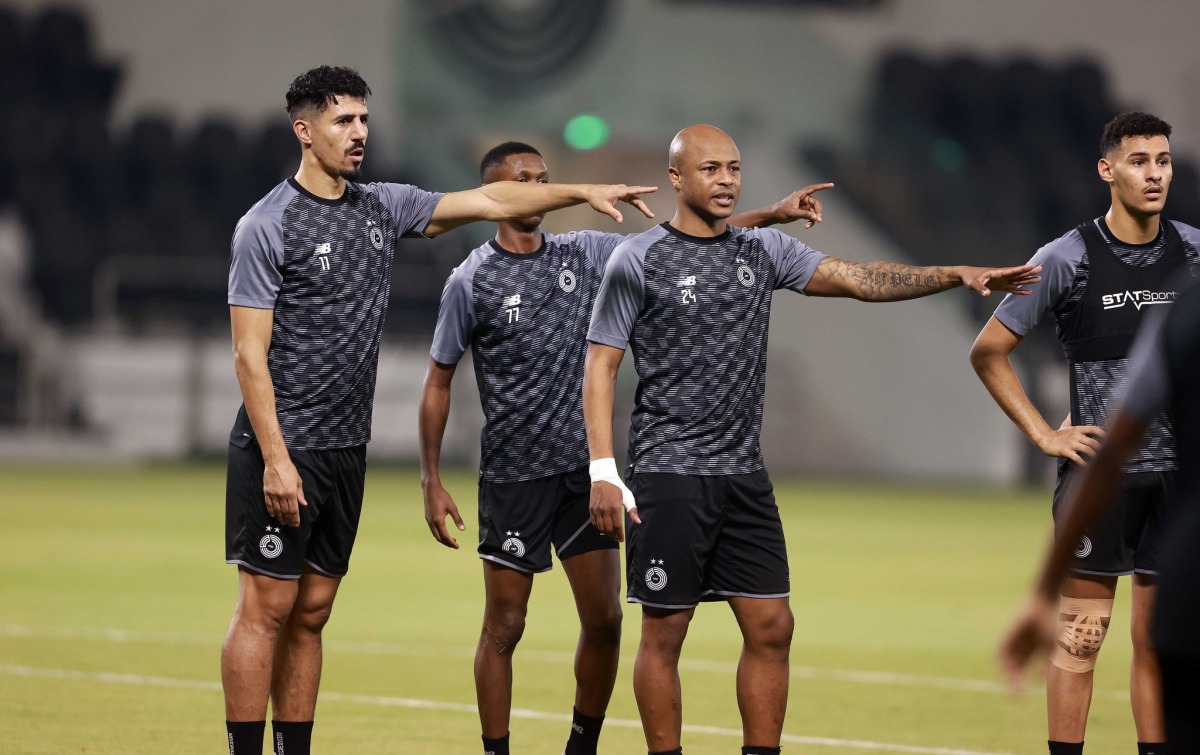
[
  {"x": 695, "y": 313},
  {"x": 1099, "y": 289},
  {"x": 324, "y": 266},
  {"x": 525, "y": 319}
]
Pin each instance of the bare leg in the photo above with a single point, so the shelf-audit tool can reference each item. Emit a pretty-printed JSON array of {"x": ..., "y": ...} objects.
[
  {"x": 762, "y": 677},
  {"x": 656, "y": 675},
  {"x": 1069, "y": 695},
  {"x": 596, "y": 582},
  {"x": 263, "y": 606},
  {"x": 1145, "y": 678},
  {"x": 507, "y": 599},
  {"x": 297, "y": 670}
]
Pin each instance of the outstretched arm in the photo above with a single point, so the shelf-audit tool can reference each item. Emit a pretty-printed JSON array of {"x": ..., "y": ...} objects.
[
  {"x": 1086, "y": 501},
  {"x": 891, "y": 281},
  {"x": 506, "y": 200},
  {"x": 990, "y": 358},
  {"x": 599, "y": 383},
  {"x": 435, "y": 409},
  {"x": 799, "y": 205}
]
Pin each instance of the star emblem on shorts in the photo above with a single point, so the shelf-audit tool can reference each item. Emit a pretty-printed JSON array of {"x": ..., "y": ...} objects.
[
  {"x": 659, "y": 562},
  {"x": 510, "y": 533},
  {"x": 272, "y": 529}
]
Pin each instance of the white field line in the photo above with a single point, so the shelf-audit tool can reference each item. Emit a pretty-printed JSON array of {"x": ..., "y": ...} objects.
[
  {"x": 418, "y": 704},
  {"x": 879, "y": 678}
]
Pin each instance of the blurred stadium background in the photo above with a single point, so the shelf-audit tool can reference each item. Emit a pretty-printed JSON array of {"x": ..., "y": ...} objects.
[{"x": 135, "y": 133}]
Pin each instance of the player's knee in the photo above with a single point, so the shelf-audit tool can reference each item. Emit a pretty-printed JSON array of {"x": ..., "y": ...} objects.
[
  {"x": 311, "y": 620},
  {"x": 603, "y": 626},
  {"x": 772, "y": 631},
  {"x": 1082, "y": 625},
  {"x": 503, "y": 629}
]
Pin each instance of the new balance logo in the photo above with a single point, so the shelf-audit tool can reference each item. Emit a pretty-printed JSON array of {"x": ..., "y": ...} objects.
[
  {"x": 1138, "y": 298},
  {"x": 512, "y": 307},
  {"x": 322, "y": 253},
  {"x": 686, "y": 283}
]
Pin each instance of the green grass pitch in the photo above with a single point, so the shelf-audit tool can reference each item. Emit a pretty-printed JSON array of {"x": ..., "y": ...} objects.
[{"x": 114, "y": 599}]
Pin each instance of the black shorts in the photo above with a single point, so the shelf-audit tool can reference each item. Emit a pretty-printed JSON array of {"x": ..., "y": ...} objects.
[
  {"x": 704, "y": 538},
  {"x": 333, "y": 487},
  {"x": 519, "y": 520},
  {"x": 1126, "y": 539}
]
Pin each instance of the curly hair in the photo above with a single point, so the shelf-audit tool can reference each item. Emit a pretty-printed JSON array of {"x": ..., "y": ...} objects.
[
  {"x": 320, "y": 86},
  {"x": 1132, "y": 123},
  {"x": 496, "y": 155}
]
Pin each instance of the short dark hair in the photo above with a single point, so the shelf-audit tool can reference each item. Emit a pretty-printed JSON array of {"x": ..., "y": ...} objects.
[
  {"x": 1132, "y": 123},
  {"x": 496, "y": 155},
  {"x": 320, "y": 86}
]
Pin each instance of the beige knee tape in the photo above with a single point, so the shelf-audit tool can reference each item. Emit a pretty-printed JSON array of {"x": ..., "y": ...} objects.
[{"x": 1081, "y": 633}]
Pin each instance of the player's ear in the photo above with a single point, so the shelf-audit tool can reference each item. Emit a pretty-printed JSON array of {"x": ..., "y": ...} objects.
[
  {"x": 1104, "y": 168},
  {"x": 300, "y": 128},
  {"x": 676, "y": 180}
]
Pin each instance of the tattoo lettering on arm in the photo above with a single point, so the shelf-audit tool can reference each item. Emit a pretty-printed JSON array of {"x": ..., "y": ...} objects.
[{"x": 879, "y": 281}]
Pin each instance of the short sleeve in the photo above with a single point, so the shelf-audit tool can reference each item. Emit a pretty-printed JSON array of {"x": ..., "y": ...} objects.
[
  {"x": 255, "y": 262},
  {"x": 795, "y": 262},
  {"x": 1059, "y": 260},
  {"x": 410, "y": 206},
  {"x": 456, "y": 318},
  {"x": 598, "y": 246},
  {"x": 620, "y": 299}
]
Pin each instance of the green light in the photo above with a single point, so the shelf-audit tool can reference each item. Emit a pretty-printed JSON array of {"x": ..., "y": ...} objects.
[
  {"x": 949, "y": 155},
  {"x": 586, "y": 131}
]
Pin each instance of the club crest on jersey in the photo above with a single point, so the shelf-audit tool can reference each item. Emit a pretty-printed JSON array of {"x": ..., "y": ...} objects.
[
  {"x": 566, "y": 280},
  {"x": 656, "y": 576},
  {"x": 1085, "y": 548},
  {"x": 376, "y": 235},
  {"x": 745, "y": 276},
  {"x": 513, "y": 544},
  {"x": 270, "y": 545},
  {"x": 322, "y": 253}
]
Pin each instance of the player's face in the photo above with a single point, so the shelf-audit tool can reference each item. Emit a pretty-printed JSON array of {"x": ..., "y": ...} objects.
[
  {"x": 1139, "y": 173},
  {"x": 526, "y": 168},
  {"x": 709, "y": 178},
  {"x": 339, "y": 137}
]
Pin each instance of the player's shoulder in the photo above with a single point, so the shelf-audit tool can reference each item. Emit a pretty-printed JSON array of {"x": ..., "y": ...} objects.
[
  {"x": 270, "y": 208},
  {"x": 636, "y": 245},
  {"x": 1067, "y": 249},
  {"x": 768, "y": 236},
  {"x": 1190, "y": 234},
  {"x": 464, "y": 272},
  {"x": 583, "y": 238}
]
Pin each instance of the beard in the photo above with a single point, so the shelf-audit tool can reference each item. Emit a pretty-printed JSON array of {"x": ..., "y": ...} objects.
[{"x": 352, "y": 174}]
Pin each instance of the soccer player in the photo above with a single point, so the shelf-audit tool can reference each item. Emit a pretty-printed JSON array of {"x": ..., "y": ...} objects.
[
  {"x": 692, "y": 298},
  {"x": 308, "y": 286},
  {"x": 1101, "y": 279},
  {"x": 521, "y": 303},
  {"x": 1164, "y": 375}
]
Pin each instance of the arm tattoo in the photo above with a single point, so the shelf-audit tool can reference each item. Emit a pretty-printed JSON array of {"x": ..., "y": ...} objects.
[{"x": 885, "y": 281}]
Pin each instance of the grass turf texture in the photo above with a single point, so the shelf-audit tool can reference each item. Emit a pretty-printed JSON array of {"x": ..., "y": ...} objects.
[{"x": 114, "y": 599}]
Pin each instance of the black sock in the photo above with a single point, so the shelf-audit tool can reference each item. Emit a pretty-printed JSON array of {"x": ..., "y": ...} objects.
[
  {"x": 495, "y": 746},
  {"x": 755, "y": 750},
  {"x": 291, "y": 737},
  {"x": 245, "y": 737},
  {"x": 585, "y": 733},
  {"x": 1065, "y": 748},
  {"x": 676, "y": 751},
  {"x": 1153, "y": 748}
]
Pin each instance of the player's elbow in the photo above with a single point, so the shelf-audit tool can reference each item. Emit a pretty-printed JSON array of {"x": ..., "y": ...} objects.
[{"x": 984, "y": 354}]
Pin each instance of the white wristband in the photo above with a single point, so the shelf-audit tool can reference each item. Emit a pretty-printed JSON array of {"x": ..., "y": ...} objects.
[{"x": 605, "y": 470}]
